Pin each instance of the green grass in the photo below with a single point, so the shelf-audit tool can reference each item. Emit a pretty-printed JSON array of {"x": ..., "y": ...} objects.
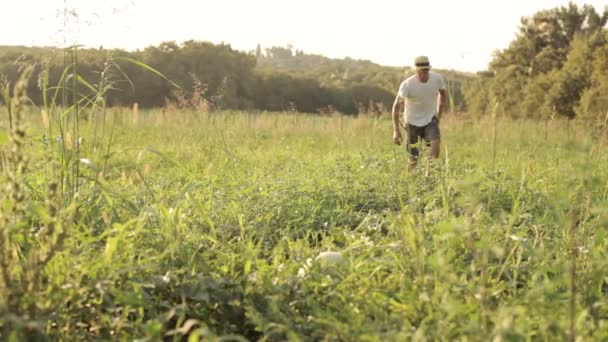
[{"x": 211, "y": 226}]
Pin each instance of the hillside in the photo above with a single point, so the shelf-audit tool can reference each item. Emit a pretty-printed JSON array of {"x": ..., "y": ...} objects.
[{"x": 222, "y": 77}]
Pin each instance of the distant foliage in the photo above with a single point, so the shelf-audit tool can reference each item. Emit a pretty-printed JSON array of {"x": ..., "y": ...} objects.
[
  {"x": 556, "y": 66},
  {"x": 352, "y": 83},
  {"x": 275, "y": 79}
]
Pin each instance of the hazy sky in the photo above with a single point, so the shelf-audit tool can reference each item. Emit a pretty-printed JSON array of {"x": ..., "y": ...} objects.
[{"x": 457, "y": 35}]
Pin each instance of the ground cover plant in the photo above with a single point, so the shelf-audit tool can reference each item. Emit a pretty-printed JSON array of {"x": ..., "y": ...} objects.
[{"x": 186, "y": 224}]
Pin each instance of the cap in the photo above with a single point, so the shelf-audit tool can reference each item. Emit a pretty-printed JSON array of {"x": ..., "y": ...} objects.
[{"x": 422, "y": 62}]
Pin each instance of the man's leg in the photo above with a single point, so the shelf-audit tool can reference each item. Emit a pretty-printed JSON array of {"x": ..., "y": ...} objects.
[
  {"x": 412, "y": 161},
  {"x": 432, "y": 136},
  {"x": 435, "y": 145},
  {"x": 433, "y": 155},
  {"x": 414, "y": 138}
]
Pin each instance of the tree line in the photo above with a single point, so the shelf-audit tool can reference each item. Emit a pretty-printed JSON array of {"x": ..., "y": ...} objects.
[
  {"x": 557, "y": 66},
  {"x": 219, "y": 77}
]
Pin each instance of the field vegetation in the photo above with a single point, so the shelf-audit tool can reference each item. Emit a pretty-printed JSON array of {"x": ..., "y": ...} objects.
[
  {"x": 273, "y": 226},
  {"x": 234, "y": 221}
]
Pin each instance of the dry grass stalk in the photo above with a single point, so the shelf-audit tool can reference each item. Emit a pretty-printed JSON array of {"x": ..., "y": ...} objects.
[{"x": 135, "y": 112}]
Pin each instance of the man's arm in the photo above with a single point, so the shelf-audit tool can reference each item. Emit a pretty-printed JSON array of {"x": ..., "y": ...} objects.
[
  {"x": 442, "y": 102},
  {"x": 397, "y": 110}
]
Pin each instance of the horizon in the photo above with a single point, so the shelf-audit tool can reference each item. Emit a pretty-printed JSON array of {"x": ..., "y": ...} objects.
[
  {"x": 242, "y": 51},
  {"x": 462, "y": 37}
]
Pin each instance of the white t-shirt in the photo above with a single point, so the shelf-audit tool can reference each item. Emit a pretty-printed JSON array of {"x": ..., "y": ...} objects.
[{"x": 421, "y": 98}]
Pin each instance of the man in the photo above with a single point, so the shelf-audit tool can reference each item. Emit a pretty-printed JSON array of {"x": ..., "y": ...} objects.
[{"x": 424, "y": 96}]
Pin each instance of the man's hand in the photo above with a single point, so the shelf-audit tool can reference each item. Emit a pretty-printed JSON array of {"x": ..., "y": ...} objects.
[
  {"x": 397, "y": 109},
  {"x": 397, "y": 137},
  {"x": 436, "y": 119}
]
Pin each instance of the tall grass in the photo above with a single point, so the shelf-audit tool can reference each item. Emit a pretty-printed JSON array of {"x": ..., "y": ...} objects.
[
  {"x": 39, "y": 207},
  {"x": 289, "y": 226}
]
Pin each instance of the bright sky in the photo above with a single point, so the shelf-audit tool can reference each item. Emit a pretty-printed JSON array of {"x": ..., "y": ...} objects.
[{"x": 458, "y": 35}]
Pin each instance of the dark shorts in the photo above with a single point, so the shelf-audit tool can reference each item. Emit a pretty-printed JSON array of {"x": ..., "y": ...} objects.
[{"x": 416, "y": 134}]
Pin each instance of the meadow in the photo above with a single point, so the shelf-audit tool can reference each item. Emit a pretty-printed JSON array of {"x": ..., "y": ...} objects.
[{"x": 235, "y": 226}]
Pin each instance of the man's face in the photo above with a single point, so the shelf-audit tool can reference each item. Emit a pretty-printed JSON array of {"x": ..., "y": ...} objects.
[{"x": 423, "y": 74}]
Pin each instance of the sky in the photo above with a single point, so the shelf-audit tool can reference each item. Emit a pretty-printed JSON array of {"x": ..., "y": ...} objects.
[{"x": 460, "y": 35}]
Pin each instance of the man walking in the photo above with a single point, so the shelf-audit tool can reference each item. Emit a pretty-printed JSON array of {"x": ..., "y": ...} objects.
[{"x": 424, "y": 96}]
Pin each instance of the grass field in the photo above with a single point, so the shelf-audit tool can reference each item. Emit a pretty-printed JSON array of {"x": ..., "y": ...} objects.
[{"x": 258, "y": 226}]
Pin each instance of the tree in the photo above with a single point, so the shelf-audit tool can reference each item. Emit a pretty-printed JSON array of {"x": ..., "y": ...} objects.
[
  {"x": 594, "y": 100},
  {"x": 546, "y": 67},
  {"x": 258, "y": 51},
  {"x": 477, "y": 93},
  {"x": 574, "y": 77}
]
